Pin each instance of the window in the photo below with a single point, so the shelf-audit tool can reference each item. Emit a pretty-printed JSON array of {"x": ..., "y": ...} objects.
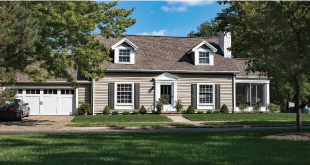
[
  {"x": 67, "y": 92},
  {"x": 32, "y": 91},
  {"x": 20, "y": 91},
  {"x": 50, "y": 91},
  {"x": 206, "y": 94},
  {"x": 124, "y": 55},
  {"x": 250, "y": 94},
  {"x": 204, "y": 58},
  {"x": 124, "y": 93}
]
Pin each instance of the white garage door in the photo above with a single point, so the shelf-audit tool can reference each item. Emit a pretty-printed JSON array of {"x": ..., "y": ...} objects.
[{"x": 48, "y": 101}]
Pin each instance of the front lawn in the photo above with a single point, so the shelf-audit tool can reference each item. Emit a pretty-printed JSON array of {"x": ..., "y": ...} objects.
[
  {"x": 126, "y": 124},
  {"x": 255, "y": 123},
  {"x": 121, "y": 118},
  {"x": 212, "y": 147},
  {"x": 246, "y": 117}
]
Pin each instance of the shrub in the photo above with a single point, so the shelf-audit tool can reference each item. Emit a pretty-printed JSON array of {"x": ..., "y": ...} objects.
[
  {"x": 224, "y": 109},
  {"x": 217, "y": 112},
  {"x": 135, "y": 112},
  {"x": 179, "y": 106},
  {"x": 209, "y": 112},
  {"x": 242, "y": 107},
  {"x": 159, "y": 106},
  {"x": 115, "y": 112},
  {"x": 126, "y": 113},
  {"x": 106, "y": 110},
  {"x": 142, "y": 110},
  {"x": 200, "y": 112},
  {"x": 190, "y": 110},
  {"x": 273, "y": 107},
  {"x": 85, "y": 108},
  {"x": 257, "y": 107}
]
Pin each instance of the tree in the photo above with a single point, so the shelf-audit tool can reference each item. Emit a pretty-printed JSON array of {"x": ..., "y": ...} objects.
[
  {"x": 206, "y": 29},
  {"x": 59, "y": 37},
  {"x": 276, "y": 37}
]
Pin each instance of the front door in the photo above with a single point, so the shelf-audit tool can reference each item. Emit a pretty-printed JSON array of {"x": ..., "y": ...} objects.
[{"x": 165, "y": 95}]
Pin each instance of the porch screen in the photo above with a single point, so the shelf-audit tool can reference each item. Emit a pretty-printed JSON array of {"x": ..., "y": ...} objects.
[{"x": 250, "y": 94}]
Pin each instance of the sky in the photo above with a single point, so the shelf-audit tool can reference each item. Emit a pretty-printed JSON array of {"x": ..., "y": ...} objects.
[{"x": 170, "y": 18}]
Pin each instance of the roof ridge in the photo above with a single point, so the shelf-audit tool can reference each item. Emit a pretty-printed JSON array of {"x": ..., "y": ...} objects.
[{"x": 163, "y": 36}]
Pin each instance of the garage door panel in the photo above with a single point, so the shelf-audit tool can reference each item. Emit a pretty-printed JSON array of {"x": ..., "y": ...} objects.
[
  {"x": 66, "y": 105},
  {"x": 50, "y": 105},
  {"x": 34, "y": 104}
]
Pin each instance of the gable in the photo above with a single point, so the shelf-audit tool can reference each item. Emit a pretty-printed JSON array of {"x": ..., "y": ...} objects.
[{"x": 124, "y": 41}]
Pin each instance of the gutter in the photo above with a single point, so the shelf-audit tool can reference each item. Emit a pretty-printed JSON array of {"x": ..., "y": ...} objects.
[
  {"x": 54, "y": 82},
  {"x": 174, "y": 71}
]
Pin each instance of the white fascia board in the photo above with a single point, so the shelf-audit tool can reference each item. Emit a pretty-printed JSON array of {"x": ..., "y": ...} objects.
[
  {"x": 204, "y": 43},
  {"x": 253, "y": 80},
  {"x": 173, "y": 71},
  {"x": 53, "y": 82},
  {"x": 113, "y": 47}
]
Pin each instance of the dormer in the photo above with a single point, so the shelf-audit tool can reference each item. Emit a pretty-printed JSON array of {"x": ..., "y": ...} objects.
[
  {"x": 124, "y": 52},
  {"x": 203, "y": 54}
]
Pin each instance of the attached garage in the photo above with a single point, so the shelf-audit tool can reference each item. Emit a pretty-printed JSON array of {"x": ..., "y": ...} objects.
[{"x": 49, "y": 100}]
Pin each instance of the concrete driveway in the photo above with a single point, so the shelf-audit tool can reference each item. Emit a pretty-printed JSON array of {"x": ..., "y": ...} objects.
[{"x": 37, "y": 123}]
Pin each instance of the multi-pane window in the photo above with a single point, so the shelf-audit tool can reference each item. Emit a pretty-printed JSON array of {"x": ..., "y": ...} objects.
[
  {"x": 50, "y": 91},
  {"x": 124, "y": 55},
  {"x": 67, "y": 92},
  {"x": 204, "y": 58},
  {"x": 124, "y": 93},
  {"x": 205, "y": 94},
  {"x": 32, "y": 91}
]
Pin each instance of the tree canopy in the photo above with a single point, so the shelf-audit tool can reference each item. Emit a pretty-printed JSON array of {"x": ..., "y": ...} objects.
[{"x": 57, "y": 36}]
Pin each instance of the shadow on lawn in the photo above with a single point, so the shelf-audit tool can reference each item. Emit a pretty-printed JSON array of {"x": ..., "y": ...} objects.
[{"x": 229, "y": 147}]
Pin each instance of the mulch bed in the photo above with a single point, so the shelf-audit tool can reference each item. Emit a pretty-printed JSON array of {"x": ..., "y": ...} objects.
[{"x": 291, "y": 136}]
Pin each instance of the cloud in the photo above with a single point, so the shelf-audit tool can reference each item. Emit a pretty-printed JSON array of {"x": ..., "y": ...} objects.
[
  {"x": 155, "y": 33},
  {"x": 192, "y": 3},
  {"x": 174, "y": 8}
]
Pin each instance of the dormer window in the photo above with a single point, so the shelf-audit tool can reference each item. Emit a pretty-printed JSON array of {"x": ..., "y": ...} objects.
[
  {"x": 204, "y": 57},
  {"x": 124, "y": 52},
  {"x": 203, "y": 54},
  {"x": 124, "y": 55}
]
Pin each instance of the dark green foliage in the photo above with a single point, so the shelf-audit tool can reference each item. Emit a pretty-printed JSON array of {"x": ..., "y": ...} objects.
[
  {"x": 242, "y": 107},
  {"x": 273, "y": 107},
  {"x": 209, "y": 112},
  {"x": 85, "y": 108},
  {"x": 217, "y": 112},
  {"x": 224, "y": 109},
  {"x": 135, "y": 112},
  {"x": 190, "y": 110},
  {"x": 199, "y": 112},
  {"x": 126, "y": 113},
  {"x": 257, "y": 107},
  {"x": 142, "y": 110},
  {"x": 106, "y": 110},
  {"x": 115, "y": 112},
  {"x": 206, "y": 29}
]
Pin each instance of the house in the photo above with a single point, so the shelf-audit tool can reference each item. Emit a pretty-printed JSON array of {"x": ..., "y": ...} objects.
[{"x": 200, "y": 71}]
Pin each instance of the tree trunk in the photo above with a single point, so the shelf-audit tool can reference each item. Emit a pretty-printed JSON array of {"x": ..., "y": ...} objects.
[{"x": 298, "y": 104}]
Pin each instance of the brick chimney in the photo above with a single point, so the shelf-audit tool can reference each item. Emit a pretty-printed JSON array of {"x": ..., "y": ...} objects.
[{"x": 225, "y": 43}]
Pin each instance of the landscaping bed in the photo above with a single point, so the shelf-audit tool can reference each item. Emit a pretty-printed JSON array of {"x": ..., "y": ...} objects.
[
  {"x": 212, "y": 147},
  {"x": 121, "y": 118},
  {"x": 246, "y": 117}
]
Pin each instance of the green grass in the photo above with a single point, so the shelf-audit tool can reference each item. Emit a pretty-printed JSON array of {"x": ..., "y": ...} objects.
[
  {"x": 121, "y": 118},
  {"x": 126, "y": 124},
  {"x": 246, "y": 117},
  {"x": 212, "y": 147},
  {"x": 255, "y": 123}
]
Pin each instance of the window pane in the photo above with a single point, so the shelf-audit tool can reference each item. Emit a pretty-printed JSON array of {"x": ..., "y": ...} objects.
[
  {"x": 45, "y": 91},
  {"x": 37, "y": 91},
  {"x": 205, "y": 94},
  {"x": 54, "y": 91},
  {"x": 256, "y": 94},
  {"x": 63, "y": 91},
  {"x": 204, "y": 57},
  {"x": 20, "y": 91},
  {"x": 124, "y": 93},
  {"x": 124, "y": 55},
  {"x": 27, "y": 91}
]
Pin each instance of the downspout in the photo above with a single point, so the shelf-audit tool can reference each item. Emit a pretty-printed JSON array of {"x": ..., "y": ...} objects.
[
  {"x": 234, "y": 91},
  {"x": 92, "y": 95}
]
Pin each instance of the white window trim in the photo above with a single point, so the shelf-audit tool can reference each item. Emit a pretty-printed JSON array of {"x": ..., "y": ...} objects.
[
  {"x": 203, "y": 57},
  {"x": 118, "y": 105},
  {"x": 116, "y": 55},
  {"x": 211, "y": 57},
  {"x": 213, "y": 95}
]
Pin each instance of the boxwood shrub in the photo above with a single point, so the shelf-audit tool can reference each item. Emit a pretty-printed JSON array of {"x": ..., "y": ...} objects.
[
  {"x": 209, "y": 112},
  {"x": 135, "y": 112},
  {"x": 142, "y": 110},
  {"x": 115, "y": 112},
  {"x": 106, "y": 110},
  {"x": 216, "y": 112},
  {"x": 190, "y": 110},
  {"x": 126, "y": 113},
  {"x": 199, "y": 112}
]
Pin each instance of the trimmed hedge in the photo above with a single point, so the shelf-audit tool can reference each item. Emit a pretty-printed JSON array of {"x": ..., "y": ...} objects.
[
  {"x": 190, "y": 110},
  {"x": 106, "y": 110}
]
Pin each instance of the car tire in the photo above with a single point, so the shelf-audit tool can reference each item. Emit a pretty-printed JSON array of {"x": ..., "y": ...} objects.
[
  {"x": 27, "y": 114},
  {"x": 20, "y": 118}
]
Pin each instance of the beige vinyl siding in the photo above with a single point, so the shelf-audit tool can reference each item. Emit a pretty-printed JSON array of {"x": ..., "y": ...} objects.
[
  {"x": 146, "y": 81},
  {"x": 84, "y": 92}
]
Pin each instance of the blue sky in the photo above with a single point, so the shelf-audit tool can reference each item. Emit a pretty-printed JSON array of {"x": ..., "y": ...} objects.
[{"x": 170, "y": 18}]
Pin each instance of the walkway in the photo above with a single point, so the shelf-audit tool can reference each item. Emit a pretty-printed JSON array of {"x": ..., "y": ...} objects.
[{"x": 178, "y": 118}]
